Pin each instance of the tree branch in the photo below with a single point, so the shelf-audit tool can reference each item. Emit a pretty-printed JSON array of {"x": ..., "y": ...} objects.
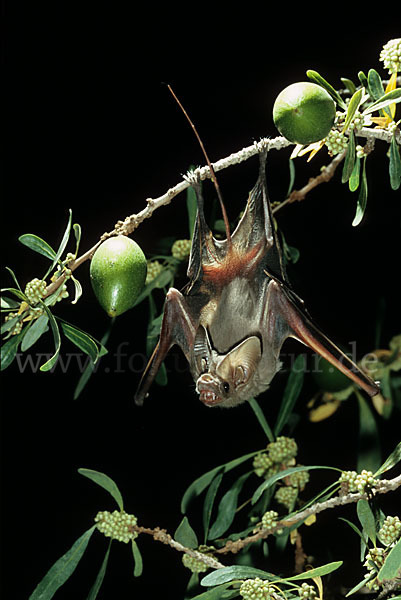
[{"x": 382, "y": 487}]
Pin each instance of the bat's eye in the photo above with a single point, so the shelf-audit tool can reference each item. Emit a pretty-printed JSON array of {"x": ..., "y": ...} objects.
[{"x": 226, "y": 387}]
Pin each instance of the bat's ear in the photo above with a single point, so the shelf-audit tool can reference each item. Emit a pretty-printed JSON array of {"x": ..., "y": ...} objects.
[{"x": 240, "y": 364}]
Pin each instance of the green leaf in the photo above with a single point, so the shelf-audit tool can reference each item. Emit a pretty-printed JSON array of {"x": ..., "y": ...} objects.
[
  {"x": 138, "y": 568},
  {"x": 62, "y": 569},
  {"x": 291, "y": 165},
  {"x": 369, "y": 454},
  {"x": 77, "y": 233},
  {"x": 34, "y": 332},
  {"x": 391, "y": 461},
  {"x": 227, "y": 508},
  {"x": 185, "y": 535},
  {"x": 318, "y": 572},
  {"x": 81, "y": 339},
  {"x": 202, "y": 482},
  {"x": 56, "y": 337},
  {"x": 353, "y": 527},
  {"x": 8, "y": 303},
  {"x": 209, "y": 501},
  {"x": 363, "y": 79},
  {"x": 235, "y": 573},
  {"x": 281, "y": 474},
  {"x": 353, "y": 106},
  {"x": 361, "y": 584},
  {"x": 14, "y": 278},
  {"x": 393, "y": 97},
  {"x": 362, "y": 198},
  {"x": 291, "y": 393},
  {"x": 349, "y": 84},
  {"x": 353, "y": 181},
  {"x": 392, "y": 565},
  {"x": 7, "y": 325},
  {"x": 100, "y": 576},
  {"x": 78, "y": 289},
  {"x": 376, "y": 89},
  {"x": 394, "y": 164},
  {"x": 105, "y": 482},
  {"x": 366, "y": 519},
  {"x": 38, "y": 245},
  {"x": 262, "y": 419},
  {"x": 9, "y": 350},
  {"x": 350, "y": 157},
  {"x": 317, "y": 78}
]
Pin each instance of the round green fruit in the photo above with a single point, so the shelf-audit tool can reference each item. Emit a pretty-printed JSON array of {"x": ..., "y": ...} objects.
[
  {"x": 118, "y": 272},
  {"x": 328, "y": 377},
  {"x": 304, "y": 113}
]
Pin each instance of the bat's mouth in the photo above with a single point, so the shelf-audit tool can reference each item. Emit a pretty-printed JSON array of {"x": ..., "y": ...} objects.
[{"x": 209, "y": 398}]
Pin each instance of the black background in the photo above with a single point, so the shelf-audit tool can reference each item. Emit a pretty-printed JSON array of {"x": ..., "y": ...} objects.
[{"x": 91, "y": 126}]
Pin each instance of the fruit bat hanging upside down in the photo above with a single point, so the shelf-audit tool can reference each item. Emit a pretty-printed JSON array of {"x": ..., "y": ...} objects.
[{"x": 237, "y": 309}]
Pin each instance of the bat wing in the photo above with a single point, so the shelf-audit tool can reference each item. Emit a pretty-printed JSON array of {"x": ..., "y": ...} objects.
[{"x": 291, "y": 320}]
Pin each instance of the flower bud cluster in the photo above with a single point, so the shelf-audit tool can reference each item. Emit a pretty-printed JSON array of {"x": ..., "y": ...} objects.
[
  {"x": 390, "y": 531},
  {"x": 154, "y": 268},
  {"x": 269, "y": 520},
  {"x": 336, "y": 142},
  {"x": 181, "y": 249},
  {"x": 391, "y": 55},
  {"x": 299, "y": 479},
  {"x": 116, "y": 525},
  {"x": 17, "y": 327},
  {"x": 355, "y": 482},
  {"x": 35, "y": 290},
  {"x": 307, "y": 592},
  {"x": 255, "y": 589},
  {"x": 377, "y": 557},
  {"x": 280, "y": 454},
  {"x": 195, "y": 564},
  {"x": 287, "y": 496}
]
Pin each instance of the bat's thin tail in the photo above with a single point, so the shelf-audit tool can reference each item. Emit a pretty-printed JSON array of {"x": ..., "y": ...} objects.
[{"x": 209, "y": 164}]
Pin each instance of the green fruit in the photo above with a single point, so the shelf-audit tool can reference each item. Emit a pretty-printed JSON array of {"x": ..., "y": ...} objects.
[
  {"x": 118, "y": 272},
  {"x": 304, "y": 113},
  {"x": 329, "y": 378}
]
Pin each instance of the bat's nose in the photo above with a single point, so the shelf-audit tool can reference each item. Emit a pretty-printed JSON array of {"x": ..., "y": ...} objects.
[{"x": 206, "y": 378}]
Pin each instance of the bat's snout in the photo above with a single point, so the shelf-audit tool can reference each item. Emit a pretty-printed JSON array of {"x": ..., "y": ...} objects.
[{"x": 206, "y": 387}]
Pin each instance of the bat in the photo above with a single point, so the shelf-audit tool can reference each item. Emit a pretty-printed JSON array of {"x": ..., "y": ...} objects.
[{"x": 238, "y": 308}]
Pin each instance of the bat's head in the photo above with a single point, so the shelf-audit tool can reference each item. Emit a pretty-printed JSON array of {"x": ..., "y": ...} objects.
[{"x": 226, "y": 379}]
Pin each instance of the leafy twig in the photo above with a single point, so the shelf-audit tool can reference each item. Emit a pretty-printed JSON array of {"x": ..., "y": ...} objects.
[{"x": 382, "y": 487}]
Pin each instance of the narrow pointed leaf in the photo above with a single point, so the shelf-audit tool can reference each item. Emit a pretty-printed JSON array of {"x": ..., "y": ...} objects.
[
  {"x": 391, "y": 97},
  {"x": 262, "y": 419},
  {"x": 34, "y": 332},
  {"x": 62, "y": 569},
  {"x": 77, "y": 233},
  {"x": 138, "y": 562},
  {"x": 291, "y": 393},
  {"x": 217, "y": 593},
  {"x": 38, "y": 245},
  {"x": 350, "y": 157},
  {"x": 81, "y": 339},
  {"x": 202, "y": 482},
  {"x": 375, "y": 85},
  {"x": 317, "y": 78},
  {"x": 281, "y": 474},
  {"x": 353, "y": 527},
  {"x": 209, "y": 502},
  {"x": 353, "y": 182},
  {"x": 391, "y": 461},
  {"x": 353, "y": 106},
  {"x": 394, "y": 164},
  {"x": 392, "y": 565},
  {"x": 65, "y": 238},
  {"x": 9, "y": 350},
  {"x": 366, "y": 519},
  {"x": 350, "y": 85},
  {"x": 234, "y": 573},
  {"x": 7, "y": 325},
  {"x": 105, "y": 482},
  {"x": 227, "y": 508},
  {"x": 8, "y": 303},
  {"x": 362, "y": 197},
  {"x": 317, "y": 572},
  {"x": 13, "y": 275},
  {"x": 185, "y": 535},
  {"x": 192, "y": 208},
  {"x": 100, "y": 576},
  {"x": 78, "y": 289},
  {"x": 56, "y": 337}
]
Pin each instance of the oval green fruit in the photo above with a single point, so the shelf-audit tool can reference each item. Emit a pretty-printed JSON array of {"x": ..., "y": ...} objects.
[
  {"x": 118, "y": 272},
  {"x": 304, "y": 112},
  {"x": 328, "y": 377}
]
